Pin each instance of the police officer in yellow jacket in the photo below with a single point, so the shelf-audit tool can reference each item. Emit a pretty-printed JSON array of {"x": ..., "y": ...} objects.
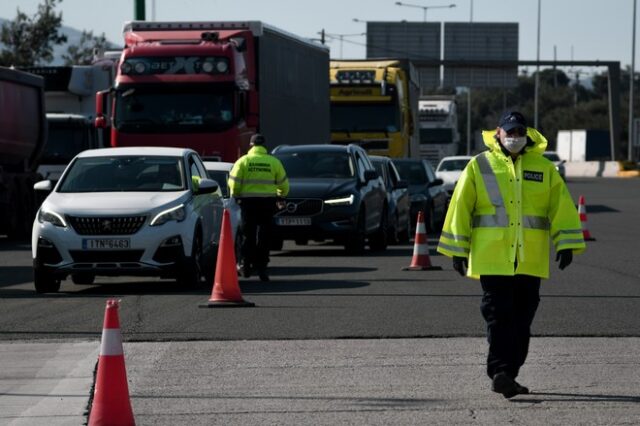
[
  {"x": 506, "y": 205},
  {"x": 256, "y": 181}
]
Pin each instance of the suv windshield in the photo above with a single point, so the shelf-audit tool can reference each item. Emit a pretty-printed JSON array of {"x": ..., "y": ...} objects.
[
  {"x": 317, "y": 164},
  {"x": 414, "y": 173},
  {"x": 155, "y": 109},
  {"x": 124, "y": 174}
]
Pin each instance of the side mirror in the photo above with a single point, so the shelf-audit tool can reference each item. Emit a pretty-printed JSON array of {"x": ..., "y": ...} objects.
[
  {"x": 436, "y": 182},
  {"x": 43, "y": 185},
  {"x": 563, "y": 161},
  {"x": 370, "y": 175},
  {"x": 206, "y": 186},
  {"x": 402, "y": 184},
  {"x": 100, "y": 122}
]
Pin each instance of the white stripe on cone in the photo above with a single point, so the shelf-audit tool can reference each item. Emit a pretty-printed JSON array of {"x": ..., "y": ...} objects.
[
  {"x": 111, "y": 342},
  {"x": 420, "y": 249}
]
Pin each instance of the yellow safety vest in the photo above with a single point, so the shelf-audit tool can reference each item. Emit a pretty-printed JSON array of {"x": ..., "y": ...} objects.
[
  {"x": 502, "y": 212},
  {"x": 258, "y": 174}
]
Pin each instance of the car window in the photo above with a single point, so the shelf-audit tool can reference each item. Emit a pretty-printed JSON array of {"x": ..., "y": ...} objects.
[
  {"x": 193, "y": 168},
  {"x": 222, "y": 177},
  {"x": 380, "y": 168},
  {"x": 124, "y": 174},
  {"x": 453, "y": 165},
  {"x": 413, "y": 172},
  {"x": 362, "y": 166},
  {"x": 429, "y": 169},
  {"x": 394, "y": 177}
]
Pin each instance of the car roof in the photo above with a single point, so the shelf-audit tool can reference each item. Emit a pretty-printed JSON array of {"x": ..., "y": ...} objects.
[
  {"x": 379, "y": 158},
  {"x": 311, "y": 148},
  {"x": 218, "y": 165},
  {"x": 457, "y": 157},
  {"x": 136, "y": 150}
]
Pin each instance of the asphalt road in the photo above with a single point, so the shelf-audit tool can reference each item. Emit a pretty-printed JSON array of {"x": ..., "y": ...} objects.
[{"x": 317, "y": 292}]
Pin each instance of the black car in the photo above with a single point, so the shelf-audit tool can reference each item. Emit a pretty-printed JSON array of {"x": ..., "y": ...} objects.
[
  {"x": 335, "y": 194},
  {"x": 397, "y": 199},
  {"x": 425, "y": 191}
]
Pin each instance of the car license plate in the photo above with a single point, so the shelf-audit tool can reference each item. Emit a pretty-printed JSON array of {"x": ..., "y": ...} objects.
[
  {"x": 105, "y": 244},
  {"x": 293, "y": 221}
]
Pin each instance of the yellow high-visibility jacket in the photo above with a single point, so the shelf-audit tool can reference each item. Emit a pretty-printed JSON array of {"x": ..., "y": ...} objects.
[
  {"x": 502, "y": 212},
  {"x": 258, "y": 174}
]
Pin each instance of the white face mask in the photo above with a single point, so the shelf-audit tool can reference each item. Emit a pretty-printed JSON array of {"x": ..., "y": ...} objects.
[{"x": 514, "y": 144}]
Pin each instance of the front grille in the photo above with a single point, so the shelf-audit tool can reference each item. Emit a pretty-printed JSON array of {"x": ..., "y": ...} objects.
[
  {"x": 97, "y": 256},
  {"x": 301, "y": 207},
  {"x": 113, "y": 225}
]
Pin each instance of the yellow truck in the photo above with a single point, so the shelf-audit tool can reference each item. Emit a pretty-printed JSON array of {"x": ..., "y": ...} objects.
[{"x": 374, "y": 104}]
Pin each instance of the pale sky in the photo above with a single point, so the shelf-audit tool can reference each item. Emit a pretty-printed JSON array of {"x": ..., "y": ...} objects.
[{"x": 596, "y": 29}]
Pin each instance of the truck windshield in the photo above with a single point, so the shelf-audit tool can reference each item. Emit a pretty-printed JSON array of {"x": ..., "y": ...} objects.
[
  {"x": 382, "y": 117},
  {"x": 334, "y": 165},
  {"x": 125, "y": 174},
  {"x": 173, "y": 109},
  {"x": 436, "y": 136},
  {"x": 64, "y": 142}
]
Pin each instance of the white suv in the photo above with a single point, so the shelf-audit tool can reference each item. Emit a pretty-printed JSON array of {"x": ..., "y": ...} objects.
[{"x": 128, "y": 211}]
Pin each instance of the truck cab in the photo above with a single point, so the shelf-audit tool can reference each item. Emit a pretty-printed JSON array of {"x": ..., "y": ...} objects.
[
  {"x": 374, "y": 105},
  {"x": 438, "y": 123}
]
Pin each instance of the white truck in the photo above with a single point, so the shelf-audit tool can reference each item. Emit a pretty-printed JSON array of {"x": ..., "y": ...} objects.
[
  {"x": 438, "y": 126},
  {"x": 70, "y": 94}
]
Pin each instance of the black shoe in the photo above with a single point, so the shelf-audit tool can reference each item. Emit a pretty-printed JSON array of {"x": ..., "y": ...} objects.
[
  {"x": 245, "y": 270},
  {"x": 505, "y": 385},
  {"x": 522, "y": 390},
  {"x": 263, "y": 276}
]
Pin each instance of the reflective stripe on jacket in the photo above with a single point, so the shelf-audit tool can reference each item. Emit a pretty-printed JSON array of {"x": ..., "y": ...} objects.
[
  {"x": 502, "y": 212},
  {"x": 258, "y": 174}
]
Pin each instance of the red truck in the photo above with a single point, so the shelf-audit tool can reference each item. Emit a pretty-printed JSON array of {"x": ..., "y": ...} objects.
[
  {"x": 210, "y": 86},
  {"x": 23, "y": 132}
]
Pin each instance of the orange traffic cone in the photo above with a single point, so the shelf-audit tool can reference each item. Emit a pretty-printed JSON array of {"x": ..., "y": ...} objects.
[
  {"x": 226, "y": 291},
  {"x": 111, "y": 404},
  {"x": 582, "y": 211},
  {"x": 421, "y": 260}
]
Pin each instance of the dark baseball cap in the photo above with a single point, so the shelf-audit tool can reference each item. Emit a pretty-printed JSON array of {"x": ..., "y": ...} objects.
[
  {"x": 257, "y": 139},
  {"x": 511, "y": 120}
]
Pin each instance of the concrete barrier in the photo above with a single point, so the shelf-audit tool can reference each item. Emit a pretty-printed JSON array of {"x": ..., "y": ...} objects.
[{"x": 592, "y": 168}]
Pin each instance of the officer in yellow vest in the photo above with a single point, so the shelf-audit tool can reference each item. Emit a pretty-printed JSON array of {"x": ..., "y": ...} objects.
[
  {"x": 506, "y": 205},
  {"x": 256, "y": 181}
]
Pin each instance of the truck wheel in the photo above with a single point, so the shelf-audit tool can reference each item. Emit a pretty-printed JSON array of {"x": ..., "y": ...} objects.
[
  {"x": 83, "y": 279},
  {"x": 190, "y": 271},
  {"x": 44, "y": 282},
  {"x": 378, "y": 241},
  {"x": 356, "y": 239}
]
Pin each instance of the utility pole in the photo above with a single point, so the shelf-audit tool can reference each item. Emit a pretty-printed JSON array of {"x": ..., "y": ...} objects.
[
  {"x": 138, "y": 10},
  {"x": 469, "y": 92},
  {"x": 631, "y": 75},
  {"x": 537, "y": 83}
]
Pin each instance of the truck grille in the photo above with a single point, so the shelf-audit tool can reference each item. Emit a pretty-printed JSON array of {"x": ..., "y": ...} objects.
[
  {"x": 117, "y": 225},
  {"x": 301, "y": 207}
]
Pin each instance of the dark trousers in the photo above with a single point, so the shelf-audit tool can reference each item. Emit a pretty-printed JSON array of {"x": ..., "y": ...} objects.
[
  {"x": 257, "y": 226},
  {"x": 508, "y": 306}
]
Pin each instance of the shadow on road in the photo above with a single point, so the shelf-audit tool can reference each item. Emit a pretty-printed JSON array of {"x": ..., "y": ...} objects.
[
  {"x": 290, "y": 286},
  {"x": 302, "y": 270},
  {"x": 575, "y": 397},
  {"x": 335, "y": 251},
  {"x": 12, "y": 275}
]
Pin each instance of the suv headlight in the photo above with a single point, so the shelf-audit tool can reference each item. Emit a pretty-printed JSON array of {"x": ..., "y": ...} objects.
[
  {"x": 342, "y": 201},
  {"x": 51, "y": 217},
  {"x": 176, "y": 213}
]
